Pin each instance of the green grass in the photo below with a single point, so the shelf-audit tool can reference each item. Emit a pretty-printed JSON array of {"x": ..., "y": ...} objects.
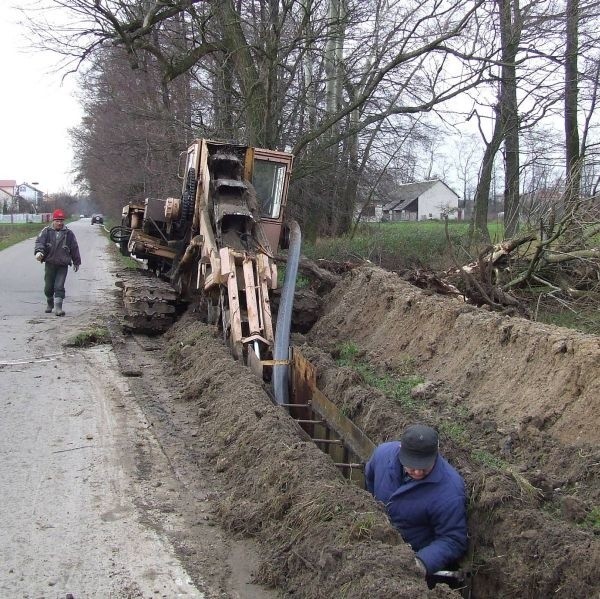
[
  {"x": 93, "y": 336},
  {"x": 454, "y": 430},
  {"x": 592, "y": 520},
  {"x": 12, "y": 234},
  {"x": 301, "y": 281},
  {"x": 585, "y": 320},
  {"x": 394, "y": 386},
  {"x": 399, "y": 244}
]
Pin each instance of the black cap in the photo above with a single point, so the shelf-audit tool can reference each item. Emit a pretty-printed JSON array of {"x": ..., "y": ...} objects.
[{"x": 419, "y": 447}]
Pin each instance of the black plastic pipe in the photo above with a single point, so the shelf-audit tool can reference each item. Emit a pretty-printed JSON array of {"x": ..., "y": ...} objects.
[{"x": 281, "y": 373}]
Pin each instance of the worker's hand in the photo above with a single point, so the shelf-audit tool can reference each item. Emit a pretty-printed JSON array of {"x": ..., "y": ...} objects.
[
  {"x": 421, "y": 566},
  {"x": 39, "y": 256},
  {"x": 75, "y": 267}
]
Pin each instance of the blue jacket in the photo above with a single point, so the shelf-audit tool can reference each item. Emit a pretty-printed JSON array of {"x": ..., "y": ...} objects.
[{"x": 430, "y": 514}]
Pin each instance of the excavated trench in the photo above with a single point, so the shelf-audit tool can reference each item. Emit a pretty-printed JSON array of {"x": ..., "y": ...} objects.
[{"x": 516, "y": 405}]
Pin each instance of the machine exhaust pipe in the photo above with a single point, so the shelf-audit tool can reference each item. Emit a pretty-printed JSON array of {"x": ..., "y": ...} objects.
[{"x": 281, "y": 372}]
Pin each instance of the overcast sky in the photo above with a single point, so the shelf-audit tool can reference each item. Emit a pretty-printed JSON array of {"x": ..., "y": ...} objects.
[{"x": 36, "y": 107}]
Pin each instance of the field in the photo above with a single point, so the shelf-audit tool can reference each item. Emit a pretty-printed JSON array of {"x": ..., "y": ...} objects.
[
  {"x": 11, "y": 234},
  {"x": 401, "y": 245}
]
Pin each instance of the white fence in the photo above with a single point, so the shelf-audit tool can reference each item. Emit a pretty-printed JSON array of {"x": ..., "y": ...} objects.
[{"x": 45, "y": 217}]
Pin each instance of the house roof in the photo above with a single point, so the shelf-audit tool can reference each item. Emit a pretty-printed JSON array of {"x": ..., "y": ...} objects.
[
  {"x": 8, "y": 183},
  {"x": 409, "y": 192},
  {"x": 30, "y": 187}
]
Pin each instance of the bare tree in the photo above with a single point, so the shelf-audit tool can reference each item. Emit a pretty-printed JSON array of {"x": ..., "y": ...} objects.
[{"x": 306, "y": 76}]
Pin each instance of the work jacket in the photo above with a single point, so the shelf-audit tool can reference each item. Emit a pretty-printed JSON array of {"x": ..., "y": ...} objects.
[
  {"x": 430, "y": 514},
  {"x": 59, "y": 247}
]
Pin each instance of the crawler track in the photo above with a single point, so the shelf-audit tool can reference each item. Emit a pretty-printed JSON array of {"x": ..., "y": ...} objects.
[{"x": 149, "y": 303}]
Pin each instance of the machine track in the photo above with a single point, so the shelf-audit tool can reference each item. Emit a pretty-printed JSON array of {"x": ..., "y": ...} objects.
[{"x": 150, "y": 303}]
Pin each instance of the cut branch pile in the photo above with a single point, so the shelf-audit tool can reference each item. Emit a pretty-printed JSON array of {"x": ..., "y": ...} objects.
[{"x": 560, "y": 260}]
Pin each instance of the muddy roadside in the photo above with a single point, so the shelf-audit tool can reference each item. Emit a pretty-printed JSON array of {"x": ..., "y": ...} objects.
[
  {"x": 91, "y": 504},
  {"x": 533, "y": 490}
]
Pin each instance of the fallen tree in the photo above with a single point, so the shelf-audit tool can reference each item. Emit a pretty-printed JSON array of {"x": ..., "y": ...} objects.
[{"x": 560, "y": 259}]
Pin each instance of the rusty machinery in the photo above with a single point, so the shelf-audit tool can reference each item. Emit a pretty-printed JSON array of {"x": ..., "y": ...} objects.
[{"x": 217, "y": 240}]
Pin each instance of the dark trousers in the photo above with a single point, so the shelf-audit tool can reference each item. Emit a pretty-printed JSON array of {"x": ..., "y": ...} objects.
[{"x": 54, "y": 280}]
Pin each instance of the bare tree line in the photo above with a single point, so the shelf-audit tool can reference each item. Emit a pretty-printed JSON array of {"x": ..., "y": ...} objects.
[{"x": 356, "y": 89}]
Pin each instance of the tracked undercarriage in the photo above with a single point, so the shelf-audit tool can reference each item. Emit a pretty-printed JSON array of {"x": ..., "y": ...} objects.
[{"x": 150, "y": 303}]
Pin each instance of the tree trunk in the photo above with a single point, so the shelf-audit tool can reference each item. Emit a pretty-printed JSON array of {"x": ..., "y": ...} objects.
[
  {"x": 510, "y": 33},
  {"x": 573, "y": 158},
  {"x": 252, "y": 85},
  {"x": 479, "y": 226}
]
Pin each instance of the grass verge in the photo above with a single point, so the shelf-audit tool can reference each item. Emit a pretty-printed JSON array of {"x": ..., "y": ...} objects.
[
  {"x": 93, "y": 336},
  {"x": 12, "y": 234}
]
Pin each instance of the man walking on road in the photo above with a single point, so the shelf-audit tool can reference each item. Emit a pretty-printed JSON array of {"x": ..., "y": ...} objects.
[{"x": 56, "y": 246}]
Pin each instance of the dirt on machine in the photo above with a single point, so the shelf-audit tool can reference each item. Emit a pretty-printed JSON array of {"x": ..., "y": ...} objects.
[{"x": 214, "y": 244}]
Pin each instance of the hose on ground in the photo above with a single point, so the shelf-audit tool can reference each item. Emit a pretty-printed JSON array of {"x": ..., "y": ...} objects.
[{"x": 119, "y": 234}]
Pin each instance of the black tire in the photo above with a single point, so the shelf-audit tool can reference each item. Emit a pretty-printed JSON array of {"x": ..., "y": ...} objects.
[{"x": 188, "y": 199}]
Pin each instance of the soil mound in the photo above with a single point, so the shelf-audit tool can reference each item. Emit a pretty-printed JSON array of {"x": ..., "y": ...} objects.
[
  {"x": 505, "y": 368},
  {"x": 516, "y": 405},
  {"x": 322, "y": 536}
]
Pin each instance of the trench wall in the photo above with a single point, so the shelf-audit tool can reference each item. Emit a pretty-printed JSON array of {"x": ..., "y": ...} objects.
[{"x": 506, "y": 368}]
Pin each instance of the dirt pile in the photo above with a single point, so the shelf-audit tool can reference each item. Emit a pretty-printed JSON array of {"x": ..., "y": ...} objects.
[
  {"x": 505, "y": 368},
  {"x": 516, "y": 405},
  {"x": 322, "y": 536}
]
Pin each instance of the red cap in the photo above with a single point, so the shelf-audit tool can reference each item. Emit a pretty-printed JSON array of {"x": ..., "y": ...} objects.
[{"x": 58, "y": 215}]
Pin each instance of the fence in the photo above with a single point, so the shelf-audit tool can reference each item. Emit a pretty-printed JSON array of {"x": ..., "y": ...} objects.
[{"x": 45, "y": 217}]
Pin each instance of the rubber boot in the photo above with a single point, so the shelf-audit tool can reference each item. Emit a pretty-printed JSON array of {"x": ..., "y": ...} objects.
[
  {"x": 50, "y": 305},
  {"x": 58, "y": 307}
]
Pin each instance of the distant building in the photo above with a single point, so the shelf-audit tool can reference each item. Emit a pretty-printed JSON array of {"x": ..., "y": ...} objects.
[
  {"x": 7, "y": 195},
  {"x": 30, "y": 193},
  {"x": 423, "y": 200}
]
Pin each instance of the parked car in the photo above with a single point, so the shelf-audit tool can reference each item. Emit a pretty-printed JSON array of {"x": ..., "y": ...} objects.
[{"x": 97, "y": 218}]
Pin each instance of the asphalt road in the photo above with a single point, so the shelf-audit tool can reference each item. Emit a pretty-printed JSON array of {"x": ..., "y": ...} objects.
[{"x": 70, "y": 520}]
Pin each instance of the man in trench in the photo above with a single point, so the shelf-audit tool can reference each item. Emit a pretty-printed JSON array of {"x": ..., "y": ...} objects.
[{"x": 424, "y": 497}]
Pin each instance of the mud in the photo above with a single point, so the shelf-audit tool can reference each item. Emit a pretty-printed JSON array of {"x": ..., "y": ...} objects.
[
  {"x": 516, "y": 405},
  {"x": 321, "y": 535}
]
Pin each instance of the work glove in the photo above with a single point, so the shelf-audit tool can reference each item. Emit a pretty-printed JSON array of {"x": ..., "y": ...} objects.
[
  {"x": 420, "y": 566},
  {"x": 39, "y": 256},
  {"x": 75, "y": 267}
]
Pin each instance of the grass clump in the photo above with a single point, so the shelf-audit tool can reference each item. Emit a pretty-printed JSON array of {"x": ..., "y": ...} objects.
[
  {"x": 92, "y": 336},
  {"x": 495, "y": 463},
  {"x": 592, "y": 520},
  {"x": 453, "y": 430},
  {"x": 362, "y": 526},
  {"x": 393, "y": 386},
  {"x": 302, "y": 282}
]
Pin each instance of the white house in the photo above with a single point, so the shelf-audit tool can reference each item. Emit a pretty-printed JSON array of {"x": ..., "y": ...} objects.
[
  {"x": 422, "y": 200},
  {"x": 30, "y": 193}
]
